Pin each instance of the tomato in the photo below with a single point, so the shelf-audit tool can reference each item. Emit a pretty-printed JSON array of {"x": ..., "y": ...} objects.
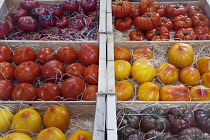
[
  {"x": 189, "y": 76},
  {"x": 51, "y": 132},
  {"x": 140, "y": 53},
  {"x": 159, "y": 33},
  {"x": 5, "y": 54},
  {"x": 199, "y": 93},
  {"x": 23, "y": 54},
  {"x": 123, "y": 24},
  {"x": 4, "y": 29},
  {"x": 174, "y": 93},
  {"x": 16, "y": 136},
  {"x": 134, "y": 12},
  {"x": 25, "y": 92},
  {"x": 6, "y": 119},
  {"x": 148, "y": 91},
  {"x": 203, "y": 33},
  {"x": 121, "y": 8},
  {"x": 161, "y": 10},
  {"x": 174, "y": 10},
  {"x": 181, "y": 21},
  {"x": 122, "y": 69},
  {"x": 91, "y": 74},
  {"x": 6, "y": 71},
  {"x": 45, "y": 54},
  {"x": 121, "y": 53},
  {"x": 185, "y": 34},
  {"x": 27, "y": 72},
  {"x": 159, "y": 135},
  {"x": 194, "y": 10},
  {"x": 74, "y": 70},
  {"x": 205, "y": 79},
  {"x": 136, "y": 35},
  {"x": 200, "y": 20},
  {"x": 49, "y": 92},
  {"x": 167, "y": 73},
  {"x": 181, "y": 55},
  {"x": 165, "y": 22},
  {"x": 203, "y": 65},
  {"x": 72, "y": 89},
  {"x": 6, "y": 88},
  {"x": 52, "y": 71},
  {"x": 142, "y": 70},
  {"x": 88, "y": 54},
  {"x": 148, "y": 6},
  {"x": 81, "y": 134},
  {"x": 147, "y": 21},
  {"x": 124, "y": 90},
  {"x": 67, "y": 55},
  {"x": 90, "y": 93},
  {"x": 202, "y": 119}
]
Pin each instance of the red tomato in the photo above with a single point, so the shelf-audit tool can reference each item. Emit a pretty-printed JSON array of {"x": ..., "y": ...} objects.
[
  {"x": 91, "y": 74},
  {"x": 181, "y": 22},
  {"x": 67, "y": 55},
  {"x": 159, "y": 33},
  {"x": 72, "y": 88},
  {"x": 6, "y": 88},
  {"x": 4, "y": 29},
  {"x": 45, "y": 54},
  {"x": 88, "y": 54},
  {"x": 193, "y": 10},
  {"x": 136, "y": 35},
  {"x": 74, "y": 70},
  {"x": 24, "y": 91},
  {"x": 148, "y": 6},
  {"x": 49, "y": 92},
  {"x": 200, "y": 20},
  {"x": 23, "y": 54},
  {"x": 5, "y": 54},
  {"x": 123, "y": 24},
  {"x": 174, "y": 10},
  {"x": 121, "y": 53},
  {"x": 121, "y": 9},
  {"x": 6, "y": 71},
  {"x": 166, "y": 23},
  {"x": 27, "y": 72},
  {"x": 135, "y": 11},
  {"x": 90, "y": 93},
  {"x": 185, "y": 34},
  {"x": 203, "y": 33},
  {"x": 52, "y": 71}
]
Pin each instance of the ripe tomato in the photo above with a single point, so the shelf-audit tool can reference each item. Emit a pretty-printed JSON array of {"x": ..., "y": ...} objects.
[
  {"x": 181, "y": 55},
  {"x": 51, "y": 132},
  {"x": 24, "y": 91},
  {"x": 90, "y": 93},
  {"x": 121, "y": 8},
  {"x": 124, "y": 90},
  {"x": 203, "y": 33},
  {"x": 67, "y": 55},
  {"x": 203, "y": 65},
  {"x": 174, "y": 93},
  {"x": 74, "y": 70},
  {"x": 121, "y": 53},
  {"x": 181, "y": 21},
  {"x": 45, "y": 54},
  {"x": 165, "y": 22},
  {"x": 189, "y": 76},
  {"x": 91, "y": 74},
  {"x": 6, "y": 88},
  {"x": 174, "y": 10},
  {"x": 147, "y": 21},
  {"x": 49, "y": 92},
  {"x": 185, "y": 34},
  {"x": 148, "y": 91},
  {"x": 161, "y": 11},
  {"x": 167, "y": 73},
  {"x": 194, "y": 10},
  {"x": 136, "y": 35},
  {"x": 148, "y": 6},
  {"x": 52, "y": 71},
  {"x": 205, "y": 79},
  {"x": 200, "y": 93},
  {"x": 134, "y": 12},
  {"x": 88, "y": 54},
  {"x": 200, "y": 20},
  {"x": 4, "y": 29},
  {"x": 142, "y": 53},
  {"x": 23, "y": 54},
  {"x": 122, "y": 69},
  {"x": 142, "y": 70},
  {"x": 72, "y": 89},
  {"x": 6, "y": 71},
  {"x": 27, "y": 72},
  {"x": 159, "y": 33},
  {"x": 123, "y": 24},
  {"x": 5, "y": 54}
]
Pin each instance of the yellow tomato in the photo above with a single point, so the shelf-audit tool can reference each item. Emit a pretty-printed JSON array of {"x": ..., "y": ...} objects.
[
  {"x": 81, "y": 135},
  {"x": 121, "y": 53},
  {"x": 142, "y": 71},
  {"x": 199, "y": 93},
  {"x": 122, "y": 69},
  {"x": 124, "y": 90},
  {"x": 167, "y": 73},
  {"x": 27, "y": 121},
  {"x": 190, "y": 76},
  {"x": 181, "y": 55},
  {"x": 203, "y": 65},
  {"x": 5, "y": 120},
  {"x": 16, "y": 136},
  {"x": 206, "y": 79},
  {"x": 143, "y": 53},
  {"x": 148, "y": 91},
  {"x": 51, "y": 133}
]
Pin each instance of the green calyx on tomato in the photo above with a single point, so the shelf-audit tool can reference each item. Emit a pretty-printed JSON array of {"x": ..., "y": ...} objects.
[
  {"x": 164, "y": 20},
  {"x": 185, "y": 33},
  {"x": 149, "y": 5}
]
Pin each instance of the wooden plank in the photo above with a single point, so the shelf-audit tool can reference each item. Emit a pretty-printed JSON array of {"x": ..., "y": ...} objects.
[{"x": 102, "y": 19}]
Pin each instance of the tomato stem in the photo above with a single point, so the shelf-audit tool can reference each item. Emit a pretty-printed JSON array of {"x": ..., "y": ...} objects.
[
  {"x": 164, "y": 20},
  {"x": 185, "y": 33},
  {"x": 202, "y": 19},
  {"x": 149, "y": 5},
  {"x": 157, "y": 32}
]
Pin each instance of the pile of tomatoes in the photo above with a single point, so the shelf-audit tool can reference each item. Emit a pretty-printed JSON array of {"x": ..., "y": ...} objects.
[
  {"x": 63, "y": 74},
  {"x": 70, "y": 20},
  {"x": 152, "y": 21}
]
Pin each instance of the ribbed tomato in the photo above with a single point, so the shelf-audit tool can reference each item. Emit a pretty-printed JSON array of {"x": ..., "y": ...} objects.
[
  {"x": 193, "y": 10},
  {"x": 200, "y": 93},
  {"x": 124, "y": 90},
  {"x": 181, "y": 21},
  {"x": 203, "y": 65},
  {"x": 122, "y": 69},
  {"x": 185, "y": 34},
  {"x": 121, "y": 8},
  {"x": 158, "y": 34},
  {"x": 203, "y": 33},
  {"x": 142, "y": 53},
  {"x": 148, "y": 6},
  {"x": 134, "y": 12},
  {"x": 121, "y": 53},
  {"x": 205, "y": 79},
  {"x": 189, "y": 76},
  {"x": 174, "y": 10},
  {"x": 136, "y": 35},
  {"x": 200, "y": 20},
  {"x": 165, "y": 22},
  {"x": 123, "y": 24}
]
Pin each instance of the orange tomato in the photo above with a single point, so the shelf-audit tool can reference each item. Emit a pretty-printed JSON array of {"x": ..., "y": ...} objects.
[
  {"x": 142, "y": 71},
  {"x": 121, "y": 53},
  {"x": 51, "y": 133},
  {"x": 16, "y": 136},
  {"x": 203, "y": 65},
  {"x": 124, "y": 90},
  {"x": 81, "y": 135},
  {"x": 167, "y": 73},
  {"x": 199, "y": 93},
  {"x": 148, "y": 91},
  {"x": 181, "y": 55},
  {"x": 141, "y": 53},
  {"x": 190, "y": 76},
  {"x": 122, "y": 69},
  {"x": 206, "y": 79}
]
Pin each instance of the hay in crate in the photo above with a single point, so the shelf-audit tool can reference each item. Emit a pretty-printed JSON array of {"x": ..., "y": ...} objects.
[{"x": 81, "y": 116}]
